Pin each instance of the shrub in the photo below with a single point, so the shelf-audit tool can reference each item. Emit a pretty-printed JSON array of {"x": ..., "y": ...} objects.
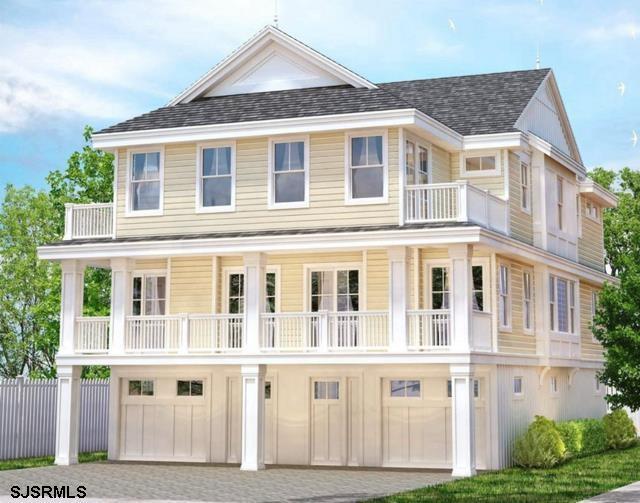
[
  {"x": 619, "y": 430},
  {"x": 593, "y": 439},
  {"x": 541, "y": 446},
  {"x": 571, "y": 434}
]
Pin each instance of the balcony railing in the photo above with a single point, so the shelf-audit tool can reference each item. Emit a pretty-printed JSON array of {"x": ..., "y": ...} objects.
[
  {"x": 92, "y": 334},
  {"x": 212, "y": 333},
  {"x": 455, "y": 202},
  {"x": 428, "y": 330},
  {"x": 93, "y": 220}
]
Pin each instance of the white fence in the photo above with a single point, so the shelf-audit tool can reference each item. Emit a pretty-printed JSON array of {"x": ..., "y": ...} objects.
[
  {"x": 93, "y": 220},
  {"x": 28, "y": 417}
]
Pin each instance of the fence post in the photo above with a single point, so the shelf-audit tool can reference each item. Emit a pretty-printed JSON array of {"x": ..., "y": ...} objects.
[{"x": 19, "y": 438}]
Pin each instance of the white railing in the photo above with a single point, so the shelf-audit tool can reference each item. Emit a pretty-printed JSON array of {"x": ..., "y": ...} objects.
[
  {"x": 94, "y": 220},
  {"x": 92, "y": 334},
  {"x": 455, "y": 202},
  {"x": 161, "y": 334},
  {"x": 324, "y": 331},
  {"x": 428, "y": 330},
  {"x": 210, "y": 333}
]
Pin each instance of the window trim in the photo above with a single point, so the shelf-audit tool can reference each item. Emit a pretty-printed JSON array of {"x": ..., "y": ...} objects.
[
  {"x": 129, "y": 211},
  {"x": 497, "y": 171},
  {"x": 326, "y": 380},
  {"x": 508, "y": 325},
  {"x": 554, "y": 388},
  {"x": 527, "y": 167},
  {"x": 200, "y": 208},
  {"x": 429, "y": 264},
  {"x": 271, "y": 192},
  {"x": 350, "y": 201},
  {"x": 333, "y": 268},
  {"x": 572, "y": 321},
  {"x": 428, "y": 293},
  {"x": 418, "y": 143},
  {"x": 597, "y": 208},
  {"x": 226, "y": 271},
  {"x": 530, "y": 330},
  {"x": 144, "y": 273},
  {"x": 405, "y": 396},
  {"x": 516, "y": 394},
  {"x": 190, "y": 395},
  {"x": 140, "y": 396}
]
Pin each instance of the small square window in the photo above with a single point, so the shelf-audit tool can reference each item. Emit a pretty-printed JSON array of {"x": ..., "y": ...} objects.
[
  {"x": 517, "y": 385},
  {"x": 190, "y": 388},
  {"x": 404, "y": 388},
  {"x": 140, "y": 388},
  {"x": 326, "y": 390}
]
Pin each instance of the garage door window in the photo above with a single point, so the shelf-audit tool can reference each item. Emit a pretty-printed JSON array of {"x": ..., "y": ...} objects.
[
  {"x": 326, "y": 390},
  {"x": 189, "y": 388},
  {"x": 140, "y": 388},
  {"x": 404, "y": 389}
]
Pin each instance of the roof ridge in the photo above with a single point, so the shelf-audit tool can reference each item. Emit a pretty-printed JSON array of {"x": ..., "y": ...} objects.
[{"x": 533, "y": 70}]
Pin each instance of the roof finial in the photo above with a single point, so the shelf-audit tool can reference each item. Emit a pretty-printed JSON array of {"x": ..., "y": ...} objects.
[
  {"x": 538, "y": 57},
  {"x": 275, "y": 13}
]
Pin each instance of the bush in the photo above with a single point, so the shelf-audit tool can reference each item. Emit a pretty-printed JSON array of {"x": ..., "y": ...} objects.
[
  {"x": 619, "y": 430},
  {"x": 571, "y": 434},
  {"x": 541, "y": 446},
  {"x": 582, "y": 437}
]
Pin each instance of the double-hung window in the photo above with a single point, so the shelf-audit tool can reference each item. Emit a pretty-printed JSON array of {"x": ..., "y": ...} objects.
[
  {"x": 145, "y": 182},
  {"x": 366, "y": 169},
  {"x": 562, "y": 305},
  {"x": 289, "y": 173},
  {"x": 527, "y": 301},
  {"x": 440, "y": 288},
  {"x": 477, "y": 275},
  {"x": 216, "y": 178},
  {"x": 417, "y": 163},
  {"x": 560, "y": 202},
  {"x": 505, "y": 297},
  {"x": 525, "y": 187}
]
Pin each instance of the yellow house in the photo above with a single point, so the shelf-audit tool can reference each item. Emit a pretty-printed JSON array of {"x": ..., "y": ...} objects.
[{"x": 312, "y": 269}]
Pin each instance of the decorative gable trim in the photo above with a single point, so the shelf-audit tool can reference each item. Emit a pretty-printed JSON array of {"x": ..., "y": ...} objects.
[{"x": 293, "y": 52}]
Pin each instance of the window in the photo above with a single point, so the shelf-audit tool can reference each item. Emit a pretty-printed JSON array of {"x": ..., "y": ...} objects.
[
  {"x": 527, "y": 304},
  {"x": 517, "y": 385},
  {"x": 592, "y": 211},
  {"x": 504, "y": 299},
  {"x": 271, "y": 292},
  {"x": 525, "y": 187},
  {"x": 140, "y": 388},
  {"x": 417, "y": 163},
  {"x": 189, "y": 388},
  {"x": 145, "y": 182},
  {"x": 325, "y": 296},
  {"x": 554, "y": 384},
  {"x": 596, "y": 383},
  {"x": 578, "y": 215},
  {"x": 440, "y": 288},
  {"x": 562, "y": 304},
  {"x": 404, "y": 389},
  {"x": 594, "y": 304},
  {"x": 235, "y": 296},
  {"x": 149, "y": 295},
  {"x": 480, "y": 165},
  {"x": 476, "y": 388},
  {"x": 267, "y": 390},
  {"x": 560, "y": 202},
  {"x": 288, "y": 181},
  {"x": 367, "y": 169},
  {"x": 477, "y": 274},
  {"x": 326, "y": 390},
  {"x": 216, "y": 174}
]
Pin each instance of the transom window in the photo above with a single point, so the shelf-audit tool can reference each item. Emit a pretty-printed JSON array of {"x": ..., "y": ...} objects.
[
  {"x": 527, "y": 303},
  {"x": 335, "y": 290},
  {"x": 189, "y": 388},
  {"x": 440, "y": 288},
  {"x": 326, "y": 390},
  {"x": 145, "y": 181},
  {"x": 404, "y": 388},
  {"x": 139, "y": 387},
  {"x": 289, "y": 173},
  {"x": 485, "y": 164},
  {"x": 149, "y": 295},
  {"x": 562, "y": 304},
  {"x": 525, "y": 187},
  {"x": 417, "y": 163},
  {"x": 504, "y": 297},
  {"x": 216, "y": 177},
  {"x": 366, "y": 177}
]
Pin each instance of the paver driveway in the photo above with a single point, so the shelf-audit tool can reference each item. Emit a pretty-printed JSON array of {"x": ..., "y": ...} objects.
[{"x": 162, "y": 482}]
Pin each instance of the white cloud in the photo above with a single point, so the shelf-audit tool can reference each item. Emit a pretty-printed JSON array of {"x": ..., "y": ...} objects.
[
  {"x": 436, "y": 47},
  {"x": 621, "y": 30}
]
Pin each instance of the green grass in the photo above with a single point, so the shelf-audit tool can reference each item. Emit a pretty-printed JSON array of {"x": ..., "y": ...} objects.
[
  {"x": 15, "y": 464},
  {"x": 572, "y": 481}
]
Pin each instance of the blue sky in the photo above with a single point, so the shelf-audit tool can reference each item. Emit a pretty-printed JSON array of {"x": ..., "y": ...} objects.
[{"x": 64, "y": 64}]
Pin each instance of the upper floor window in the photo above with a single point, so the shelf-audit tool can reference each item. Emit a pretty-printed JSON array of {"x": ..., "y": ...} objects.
[
  {"x": 560, "y": 202},
  {"x": 477, "y": 274},
  {"x": 145, "y": 182},
  {"x": 366, "y": 171},
  {"x": 525, "y": 187},
  {"x": 216, "y": 178},
  {"x": 562, "y": 304},
  {"x": 505, "y": 297},
  {"x": 149, "y": 295},
  {"x": 480, "y": 165},
  {"x": 440, "y": 289},
  {"x": 417, "y": 163},
  {"x": 527, "y": 301},
  {"x": 592, "y": 211},
  {"x": 289, "y": 174}
]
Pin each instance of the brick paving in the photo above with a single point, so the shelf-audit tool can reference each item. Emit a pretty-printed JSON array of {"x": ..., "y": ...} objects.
[{"x": 110, "y": 482}]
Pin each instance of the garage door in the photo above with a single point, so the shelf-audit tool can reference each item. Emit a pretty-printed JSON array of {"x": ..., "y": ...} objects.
[{"x": 164, "y": 419}]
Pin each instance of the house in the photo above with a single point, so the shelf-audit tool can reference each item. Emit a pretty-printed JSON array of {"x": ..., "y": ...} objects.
[{"x": 312, "y": 269}]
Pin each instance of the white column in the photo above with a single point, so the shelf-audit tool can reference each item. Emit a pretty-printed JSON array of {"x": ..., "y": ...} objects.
[
  {"x": 120, "y": 302},
  {"x": 72, "y": 293},
  {"x": 254, "y": 281},
  {"x": 113, "y": 442},
  {"x": 68, "y": 415},
  {"x": 461, "y": 306},
  {"x": 398, "y": 298},
  {"x": 252, "y": 417},
  {"x": 542, "y": 323},
  {"x": 463, "y": 421}
]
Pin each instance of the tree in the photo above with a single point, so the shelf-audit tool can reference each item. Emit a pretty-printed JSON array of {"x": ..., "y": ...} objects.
[{"x": 617, "y": 321}]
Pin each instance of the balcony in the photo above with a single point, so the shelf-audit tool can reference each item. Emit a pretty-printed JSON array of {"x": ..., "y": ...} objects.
[
  {"x": 83, "y": 221},
  {"x": 455, "y": 202}
]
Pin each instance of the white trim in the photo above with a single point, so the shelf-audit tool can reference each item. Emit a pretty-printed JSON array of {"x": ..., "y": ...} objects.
[
  {"x": 224, "y": 291},
  {"x": 599, "y": 194},
  {"x": 497, "y": 171},
  {"x": 199, "y": 178},
  {"x": 428, "y": 265},
  {"x": 144, "y": 213},
  {"x": 523, "y": 208},
  {"x": 531, "y": 330},
  {"x": 419, "y": 143},
  {"x": 114, "y": 210},
  {"x": 505, "y": 325},
  {"x": 348, "y": 199},
  {"x": 271, "y": 204},
  {"x": 557, "y": 155},
  {"x": 494, "y": 141},
  {"x": 333, "y": 268},
  {"x": 520, "y": 394}
]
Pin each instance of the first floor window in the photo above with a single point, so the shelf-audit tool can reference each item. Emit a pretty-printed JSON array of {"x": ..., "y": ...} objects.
[
  {"x": 326, "y": 390},
  {"x": 404, "y": 389},
  {"x": 554, "y": 384},
  {"x": 267, "y": 390},
  {"x": 366, "y": 170},
  {"x": 149, "y": 295},
  {"x": 289, "y": 172},
  {"x": 440, "y": 288},
  {"x": 527, "y": 303},
  {"x": 189, "y": 388},
  {"x": 517, "y": 385},
  {"x": 597, "y": 383},
  {"x": 562, "y": 304},
  {"x": 504, "y": 299},
  {"x": 216, "y": 177},
  {"x": 139, "y": 387},
  {"x": 145, "y": 181},
  {"x": 477, "y": 273}
]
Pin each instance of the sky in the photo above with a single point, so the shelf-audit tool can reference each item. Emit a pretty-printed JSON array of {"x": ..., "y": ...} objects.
[{"x": 67, "y": 64}]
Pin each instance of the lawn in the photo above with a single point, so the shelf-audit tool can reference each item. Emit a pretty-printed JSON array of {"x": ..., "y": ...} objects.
[
  {"x": 570, "y": 482},
  {"x": 14, "y": 464}
]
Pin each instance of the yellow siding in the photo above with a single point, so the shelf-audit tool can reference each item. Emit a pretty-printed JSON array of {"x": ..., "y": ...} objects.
[
  {"x": 591, "y": 349},
  {"x": 326, "y": 192},
  {"x": 377, "y": 277},
  {"x": 591, "y": 244},
  {"x": 157, "y": 264},
  {"x": 515, "y": 340},
  {"x": 441, "y": 165},
  {"x": 191, "y": 285},
  {"x": 494, "y": 184},
  {"x": 521, "y": 221}
]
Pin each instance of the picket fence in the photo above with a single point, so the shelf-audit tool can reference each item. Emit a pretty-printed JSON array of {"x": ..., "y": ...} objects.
[{"x": 28, "y": 417}]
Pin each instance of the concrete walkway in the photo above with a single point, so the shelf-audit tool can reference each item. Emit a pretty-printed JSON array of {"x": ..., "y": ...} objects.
[
  {"x": 630, "y": 493},
  {"x": 106, "y": 482}
]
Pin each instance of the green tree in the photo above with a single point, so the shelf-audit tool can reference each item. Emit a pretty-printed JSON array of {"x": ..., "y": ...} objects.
[{"x": 617, "y": 321}]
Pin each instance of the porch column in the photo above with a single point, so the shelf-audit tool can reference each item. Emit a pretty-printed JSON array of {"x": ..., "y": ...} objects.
[
  {"x": 68, "y": 415},
  {"x": 252, "y": 417},
  {"x": 254, "y": 274},
  {"x": 463, "y": 421},
  {"x": 120, "y": 302},
  {"x": 541, "y": 321},
  {"x": 72, "y": 293},
  {"x": 461, "y": 305},
  {"x": 398, "y": 298}
]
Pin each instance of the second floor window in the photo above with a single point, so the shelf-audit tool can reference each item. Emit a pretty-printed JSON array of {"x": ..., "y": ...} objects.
[
  {"x": 149, "y": 295},
  {"x": 527, "y": 302},
  {"x": 366, "y": 176},
  {"x": 525, "y": 183},
  {"x": 560, "y": 203},
  {"x": 145, "y": 182},
  {"x": 216, "y": 177},
  {"x": 289, "y": 177},
  {"x": 440, "y": 289},
  {"x": 562, "y": 304},
  {"x": 504, "y": 299},
  {"x": 477, "y": 274}
]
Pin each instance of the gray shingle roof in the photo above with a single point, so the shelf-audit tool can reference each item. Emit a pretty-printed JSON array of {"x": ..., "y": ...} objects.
[{"x": 474, "y": 104}]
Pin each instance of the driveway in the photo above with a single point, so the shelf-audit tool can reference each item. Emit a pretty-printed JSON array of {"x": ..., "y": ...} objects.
[{"x": 140, "y": 482}]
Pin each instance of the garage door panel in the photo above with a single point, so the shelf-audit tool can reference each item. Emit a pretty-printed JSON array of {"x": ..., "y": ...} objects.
[
  {"x": 435, "y": 423},
  {"x": 132, "y": 418},
  {"x": 396, "y": 434},
  {"x": 164, "y": 423},
  {"x": 417, "y": 434},
  {"x": 148, "y": 430},
  {"x": 182, "y": 431},
  {"x": 199, "y": 437}
]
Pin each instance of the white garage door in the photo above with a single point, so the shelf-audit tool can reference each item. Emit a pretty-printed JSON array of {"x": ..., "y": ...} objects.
[{"x": 164, "y": 419}]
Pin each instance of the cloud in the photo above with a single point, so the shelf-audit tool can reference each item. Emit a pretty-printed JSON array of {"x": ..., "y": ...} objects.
[
  {"x": 436, "y": 47},
  {"x": 621, "y": 30}
]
